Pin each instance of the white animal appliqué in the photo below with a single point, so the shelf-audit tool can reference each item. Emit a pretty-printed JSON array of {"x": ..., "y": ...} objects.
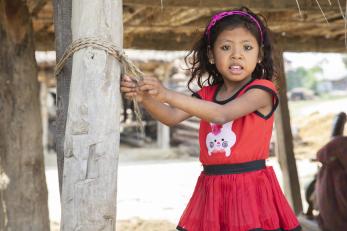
[{"x": 221, "y": 139}]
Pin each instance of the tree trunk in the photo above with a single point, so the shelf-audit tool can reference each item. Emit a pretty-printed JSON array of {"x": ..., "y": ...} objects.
[
  {"x": 21, "y": 151},
  {"x": 92, "y": 127},
  {"x": 63, "y": 37}
]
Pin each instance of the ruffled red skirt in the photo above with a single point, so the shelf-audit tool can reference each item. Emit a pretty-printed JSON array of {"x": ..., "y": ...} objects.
[{"x": 250, "y": 201}]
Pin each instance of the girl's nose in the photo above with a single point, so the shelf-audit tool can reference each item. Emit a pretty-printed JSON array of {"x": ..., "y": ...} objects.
[{"x": 236, "y": 53}]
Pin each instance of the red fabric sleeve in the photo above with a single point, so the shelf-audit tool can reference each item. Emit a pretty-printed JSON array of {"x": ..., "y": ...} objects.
[
  {"x": 200, "y": 93},
  {"x": 269, "y": 87}
]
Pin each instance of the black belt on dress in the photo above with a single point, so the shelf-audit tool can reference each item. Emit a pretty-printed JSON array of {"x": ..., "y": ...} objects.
[{"x": 234, "y": 168}]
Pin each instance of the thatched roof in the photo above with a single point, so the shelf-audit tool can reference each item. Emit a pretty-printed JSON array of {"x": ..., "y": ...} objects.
[{"x": 174, "y": 25}]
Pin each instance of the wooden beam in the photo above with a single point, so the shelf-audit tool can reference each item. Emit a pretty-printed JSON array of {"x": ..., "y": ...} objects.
[
  {"x": 171, "y": 40},
  {"x": 35, "y": 6},
  {"x": 284, "y": 140},
  {"x": 128, "y": 16},
  {"x": 268, "y": 5},
  {"x": 309, "y": 44}
]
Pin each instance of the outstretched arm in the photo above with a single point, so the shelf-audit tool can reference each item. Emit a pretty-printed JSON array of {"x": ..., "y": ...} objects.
[
  {"x": 164, "y": 113},
  {"x": 253, "y": 100}
]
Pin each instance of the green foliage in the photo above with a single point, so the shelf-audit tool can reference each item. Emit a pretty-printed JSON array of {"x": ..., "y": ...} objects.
[{"x": 301, "y": 77}]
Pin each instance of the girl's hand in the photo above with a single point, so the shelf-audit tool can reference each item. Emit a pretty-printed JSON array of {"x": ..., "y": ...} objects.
[
  {"x": 131, "y": 89},
  {"x": 154, "y": 88}
]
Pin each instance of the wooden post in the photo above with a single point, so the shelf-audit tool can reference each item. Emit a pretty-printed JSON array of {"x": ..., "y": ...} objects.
[
  {"x": 163, "y": 135},
  {"x": 92, "y": 128},
  {"x": 44, "y": 114},
  {"x": 163, "y": 131},
  {"x": 284, "y": 141},
  {"x": 63, "y": 37}
]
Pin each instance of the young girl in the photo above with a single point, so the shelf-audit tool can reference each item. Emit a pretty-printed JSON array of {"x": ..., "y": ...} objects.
[{"x": 235, "y": 191}]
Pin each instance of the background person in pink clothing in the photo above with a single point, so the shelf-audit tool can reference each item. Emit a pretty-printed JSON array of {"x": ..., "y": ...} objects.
[{"x": 232, "y": 63}]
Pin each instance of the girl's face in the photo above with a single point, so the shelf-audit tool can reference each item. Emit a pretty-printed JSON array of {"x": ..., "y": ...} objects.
[{"x": 235, "y": 53}]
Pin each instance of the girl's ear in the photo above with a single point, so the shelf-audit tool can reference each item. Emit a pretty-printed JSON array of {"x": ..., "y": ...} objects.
[{"x": 210, "y": 55}]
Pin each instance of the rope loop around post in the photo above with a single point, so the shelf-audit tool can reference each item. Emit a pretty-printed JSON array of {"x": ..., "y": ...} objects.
[{"x": 99, "y": 43}]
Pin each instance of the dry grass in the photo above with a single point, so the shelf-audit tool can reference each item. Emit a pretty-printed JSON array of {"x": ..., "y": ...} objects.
[{"x": 314, "y": 132}]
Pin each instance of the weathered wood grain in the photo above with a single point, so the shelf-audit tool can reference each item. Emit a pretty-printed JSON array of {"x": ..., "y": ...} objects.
[{"x": 92, "y": 128}]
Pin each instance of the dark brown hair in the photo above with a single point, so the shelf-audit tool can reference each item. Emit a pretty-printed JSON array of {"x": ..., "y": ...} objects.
[{"x": 198, "y": 61}]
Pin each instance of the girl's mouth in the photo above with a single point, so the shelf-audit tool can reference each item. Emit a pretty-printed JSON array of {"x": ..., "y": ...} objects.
[{"x": 236, "y": 69}]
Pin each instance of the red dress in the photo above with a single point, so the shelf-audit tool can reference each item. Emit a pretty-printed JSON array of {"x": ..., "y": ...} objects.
[{"x": 247, "y": 201}]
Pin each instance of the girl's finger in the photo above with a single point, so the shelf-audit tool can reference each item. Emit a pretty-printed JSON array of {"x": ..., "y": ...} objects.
[
  {"x": 153, "y": 92},
  {"x": 146, "y": 87},
  {"x": 130, "y": 95},
  {"x": 150, "y": 81},
  {"x": 150, "y": 78},
  {"x": 127, "y": 78},
  {"x": 126, "y": 89},
  {"x": 128, "y": 84}
]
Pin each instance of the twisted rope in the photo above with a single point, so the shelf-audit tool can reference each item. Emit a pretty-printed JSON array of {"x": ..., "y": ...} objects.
[{"x": 111, "y": 49}]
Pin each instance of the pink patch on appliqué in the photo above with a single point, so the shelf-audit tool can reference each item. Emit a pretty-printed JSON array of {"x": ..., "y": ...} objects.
[{"x": 216, "y": 128}]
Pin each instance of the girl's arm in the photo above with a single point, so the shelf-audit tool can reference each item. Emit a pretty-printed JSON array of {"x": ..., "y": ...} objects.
[
  {"x": 249, "y": 102},
  {"x": 164, "y": 113},
  {"x": 253, "y": 100}
]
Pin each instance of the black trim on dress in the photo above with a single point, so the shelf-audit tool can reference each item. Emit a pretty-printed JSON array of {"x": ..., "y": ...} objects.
[
  {"x": 280, "y": 229},
  {"x": 274, "y": 106},
  {"x": 233, "y": 96},
  {"x": 224, "y": 169},
  {"x": 180, "y": 228},
  {"x": 196, "y": 95}
]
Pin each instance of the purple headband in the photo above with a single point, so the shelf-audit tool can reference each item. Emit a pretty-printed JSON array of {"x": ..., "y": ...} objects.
[{"x": 221, "y": 15}]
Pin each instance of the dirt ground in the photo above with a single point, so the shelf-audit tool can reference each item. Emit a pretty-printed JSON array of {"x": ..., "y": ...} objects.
[
  {"x": 145, "y": 225},
  {"x": 135, "y": 225}
]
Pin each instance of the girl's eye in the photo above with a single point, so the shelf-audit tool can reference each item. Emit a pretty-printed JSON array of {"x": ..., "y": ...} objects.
[
  {"x": 247, "y": 47},
  {"x": 225, "y": 47}
]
